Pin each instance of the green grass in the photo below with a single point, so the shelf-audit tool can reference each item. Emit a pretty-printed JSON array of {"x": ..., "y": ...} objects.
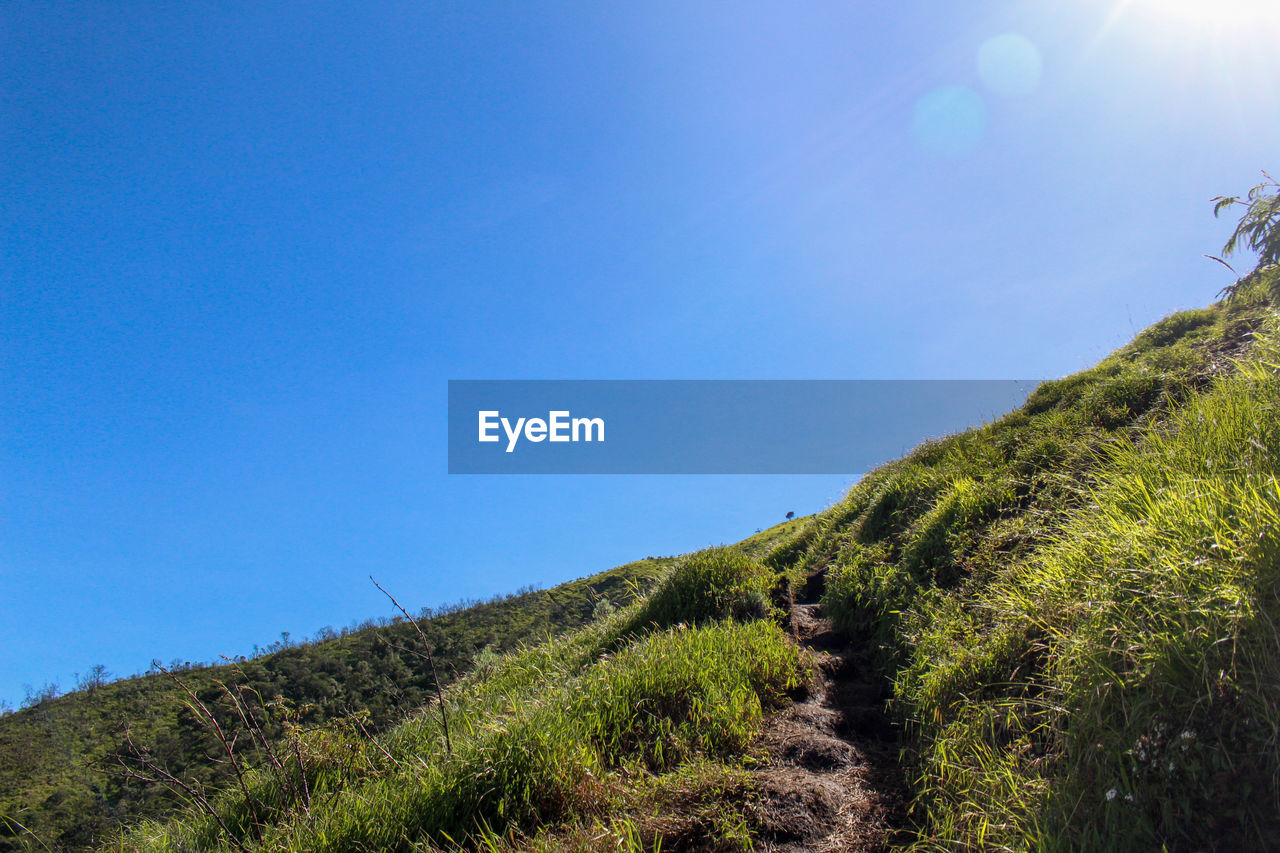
[
  {"x": 1077, "y": 605},
  {"x": 1169, "y": 672},
  {"x": 711, "y": 584},
  {"x": 544, "y": 741},
  {"x": 55, "y": 757},
  {"x": 1117, "y": 690},
  {"x": 766, "y": 541}
]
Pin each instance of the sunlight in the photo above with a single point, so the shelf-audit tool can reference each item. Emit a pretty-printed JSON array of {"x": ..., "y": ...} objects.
[
  {"x": 1222, "y": 49},
  {"x": 1211, "y": 14}
]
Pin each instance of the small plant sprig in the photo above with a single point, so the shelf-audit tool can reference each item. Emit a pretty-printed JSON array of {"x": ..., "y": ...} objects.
[{"x": 1259, "y": 226}]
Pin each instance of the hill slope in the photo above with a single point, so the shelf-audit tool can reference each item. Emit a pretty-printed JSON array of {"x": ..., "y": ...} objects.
[
  {"x": 1071, "y": 611},
  {"x": 57, "y": 777},
  {"x": 1076, "y": 606}
]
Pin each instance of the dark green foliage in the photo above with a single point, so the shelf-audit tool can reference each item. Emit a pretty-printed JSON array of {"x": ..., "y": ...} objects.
[
  {"x": 1257, "y": 229},
  {"x": 788, "y": 549},
  {"x": 1121, "y": 400},
  {"x": 897, "y": 501},
  {"x": 1173, "y": 328},
  {"x": 56, "y": 757}
]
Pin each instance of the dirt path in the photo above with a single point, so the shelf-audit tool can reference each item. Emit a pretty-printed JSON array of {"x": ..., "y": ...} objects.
[{"x": 833, "y": 781}]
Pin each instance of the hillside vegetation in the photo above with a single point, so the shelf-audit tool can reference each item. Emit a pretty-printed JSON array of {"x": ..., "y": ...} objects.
[
  {"x": 1074, "y": 608},
  {"x": 60, "y": 782},
  {"x": 573, "y": 741},
  {"x": 1073, "y": 611},
  {"x": 1077, "y": 604}
]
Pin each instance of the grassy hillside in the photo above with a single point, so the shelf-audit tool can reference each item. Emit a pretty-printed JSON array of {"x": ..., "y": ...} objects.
[
  {"x": 1073, "y": 611},
  {"x": 574, "y": 741},
  {"x": 1077, "y": 604},
  {"x": 1074, "y": 608},
  {"x": 57, "y": 777}
]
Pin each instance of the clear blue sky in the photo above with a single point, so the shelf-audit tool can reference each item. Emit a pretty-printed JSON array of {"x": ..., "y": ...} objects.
[{"x": 246, "y": 244}]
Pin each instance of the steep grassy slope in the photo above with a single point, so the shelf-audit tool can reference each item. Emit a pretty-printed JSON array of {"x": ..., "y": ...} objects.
[
  {"x": 1077, "y": 604},
  {"x": 53, "y": 755},
  {"x": 570, "y": 741},
  {"x": 1073, "y": 609}
]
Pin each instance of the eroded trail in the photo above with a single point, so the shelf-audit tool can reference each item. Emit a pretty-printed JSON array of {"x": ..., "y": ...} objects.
[{"x": 833, "y": 781}]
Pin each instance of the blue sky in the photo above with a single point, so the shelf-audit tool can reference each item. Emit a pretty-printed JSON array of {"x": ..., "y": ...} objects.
[{"x": 245, "y": 245}]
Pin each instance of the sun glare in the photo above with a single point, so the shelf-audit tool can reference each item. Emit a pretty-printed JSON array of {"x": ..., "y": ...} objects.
[{"x": 1213, "y": 14}]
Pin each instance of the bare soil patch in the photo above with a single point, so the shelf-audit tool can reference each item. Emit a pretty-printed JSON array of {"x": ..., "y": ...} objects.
[{"x": 832, "y": 781}]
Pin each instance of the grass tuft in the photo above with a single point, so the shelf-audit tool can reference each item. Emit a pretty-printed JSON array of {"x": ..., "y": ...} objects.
[{"x": 713, "y": 584}]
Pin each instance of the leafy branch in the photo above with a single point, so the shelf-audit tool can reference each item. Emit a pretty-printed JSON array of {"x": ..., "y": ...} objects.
[{"x": 1257, "y": 229}]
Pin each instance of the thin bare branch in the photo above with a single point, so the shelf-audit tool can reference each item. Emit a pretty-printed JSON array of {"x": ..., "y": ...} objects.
[
  {"x": 159, "y": 775},
  {"x": 212, "y": 725},
  {"x": 431, "y": 662}
]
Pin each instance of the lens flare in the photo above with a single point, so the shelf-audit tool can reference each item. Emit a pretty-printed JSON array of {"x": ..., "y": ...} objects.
[
  {"x": 949, "y": 121},
  {"x": 1009, "y": 65}
]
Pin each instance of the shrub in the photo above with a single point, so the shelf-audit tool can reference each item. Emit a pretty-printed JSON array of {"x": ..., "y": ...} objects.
[
  {"x": 1117, "y": 401},
  {"x": 709, "y": 585},
  {"x": 1173, "y": 328}
]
